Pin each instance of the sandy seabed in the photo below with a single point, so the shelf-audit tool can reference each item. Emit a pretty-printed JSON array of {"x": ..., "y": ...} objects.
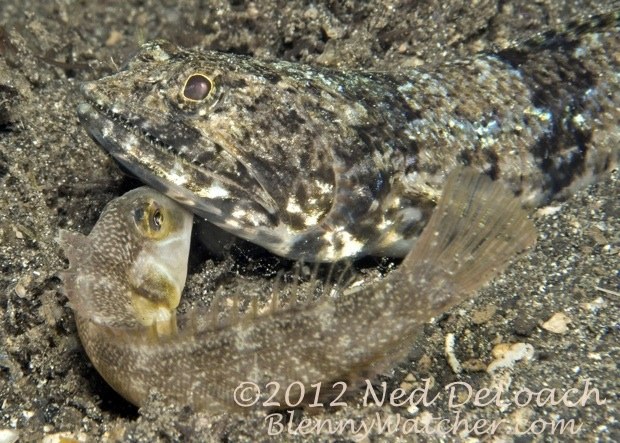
[{"x": 546, "y": 312}]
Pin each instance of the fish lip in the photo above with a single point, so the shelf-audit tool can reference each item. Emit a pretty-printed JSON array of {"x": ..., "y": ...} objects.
[
  {"x": 95, "y": 116},
  {"x": 97, "y": 120},
  {"x": 93, "y": 119},
  {"x": 97, "y": 109}
]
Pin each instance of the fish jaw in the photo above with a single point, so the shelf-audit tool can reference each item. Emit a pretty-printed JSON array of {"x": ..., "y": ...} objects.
[{"x": 239, "y": 166}]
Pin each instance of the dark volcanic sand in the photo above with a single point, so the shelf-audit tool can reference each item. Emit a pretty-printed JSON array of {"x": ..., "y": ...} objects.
[{"x": 52, "y": 175}]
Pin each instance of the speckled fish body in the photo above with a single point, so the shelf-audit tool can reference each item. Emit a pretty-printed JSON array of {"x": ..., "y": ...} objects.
[
  {"x": 129, "y": 329},
  {"x": 318, "y": 164},
  {"x": 131, "y": 270}
]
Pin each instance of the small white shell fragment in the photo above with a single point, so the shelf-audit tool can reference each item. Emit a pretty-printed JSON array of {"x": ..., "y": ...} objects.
[
  {"x": 558, "y": 323},
  {"x": 454, "y": 363},
  {"x": 61, "y": 437},
  {"x": 548, "y": 210},
  {"x": 8, "y": 436},
  {"x": 507, "y": 354}
]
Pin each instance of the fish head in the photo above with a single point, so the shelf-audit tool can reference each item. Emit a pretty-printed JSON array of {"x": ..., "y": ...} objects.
[{"x": 241, "y": 142}]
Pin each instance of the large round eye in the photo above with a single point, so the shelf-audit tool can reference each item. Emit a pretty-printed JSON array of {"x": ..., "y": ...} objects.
[
  {"x": 152, "y": 220},
  {"x": 156, "y": 220},
  {"x": 197, "y": 87}
]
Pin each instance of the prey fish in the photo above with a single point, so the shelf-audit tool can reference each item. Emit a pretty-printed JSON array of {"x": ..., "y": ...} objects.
[
  {"x": 124, "y": 292},
  {"x": 320, "y": 164}
]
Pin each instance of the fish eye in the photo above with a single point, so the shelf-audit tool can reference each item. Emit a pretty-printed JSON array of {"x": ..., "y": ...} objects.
[
  {"x": 157, "y": 219},
  {"x": 197, "y": 87},
  {"x": 151, "y": 220}
]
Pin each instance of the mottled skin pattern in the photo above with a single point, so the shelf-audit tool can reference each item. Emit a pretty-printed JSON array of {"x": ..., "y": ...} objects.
[
  {"x": 318, "y": 164},
  {"x": 474, "y": 231}
]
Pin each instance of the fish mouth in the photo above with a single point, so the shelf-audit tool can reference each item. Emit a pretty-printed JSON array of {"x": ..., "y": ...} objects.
[{"x": 156, "y": 157}]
